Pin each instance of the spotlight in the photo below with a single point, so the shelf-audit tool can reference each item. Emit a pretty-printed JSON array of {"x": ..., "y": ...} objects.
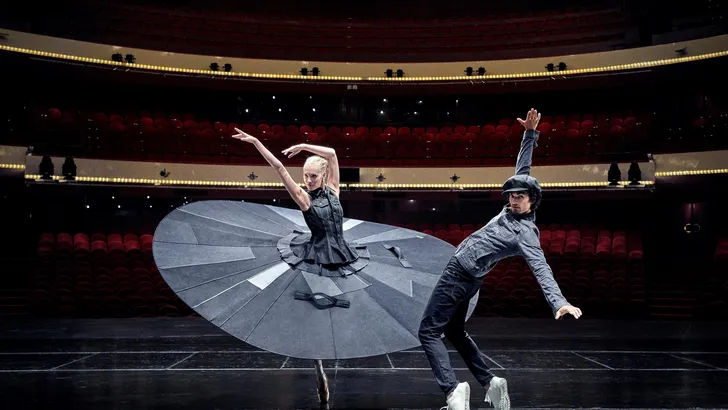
[
  {"x": 614, "y": 175},
  {"x": 634, "y": 174},
  {"x": 562, "y": 66},
  {"x": 69, "y": 169},
  {"x": 469, "y": 71},
  {"x": 400, "y": 73},
  {"x": 389, "y": 73},
  {"x": 454, "y": 178},
  {"x": 46, "y": 168},
  {"x": 117, "y": 57},
  {"x": 130, "y": 58},
  {"x": 550, "y": 67},
  {"x": 304, "y": 71},
  {"x": 481, "y": 71},
  {"x": 228, "y": 67},
  {"x": 315, "y": 71},
  {"x": 214, "y": 66},
  {"x": 164, "y": 173}
]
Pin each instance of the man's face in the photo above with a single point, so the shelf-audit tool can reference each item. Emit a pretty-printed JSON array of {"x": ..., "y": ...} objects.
[{"x": 520, "y": 203}]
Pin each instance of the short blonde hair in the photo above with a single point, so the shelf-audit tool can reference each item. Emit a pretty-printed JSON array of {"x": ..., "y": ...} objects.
[{"x": 323, "y": 165}]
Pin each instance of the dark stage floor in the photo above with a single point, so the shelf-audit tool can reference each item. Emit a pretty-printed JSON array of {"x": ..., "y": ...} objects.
[{"x": 188, "y": 363}]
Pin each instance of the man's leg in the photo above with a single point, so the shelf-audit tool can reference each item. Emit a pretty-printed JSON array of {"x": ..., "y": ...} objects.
[
  {"x": 466, "y": 347},
  {"x": 448, "y": 295}
]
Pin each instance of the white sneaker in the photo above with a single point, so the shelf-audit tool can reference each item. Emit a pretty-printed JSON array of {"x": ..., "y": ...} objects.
[
  {"x": 460, "y": 398},
  {"x": 497, "y": 394}
]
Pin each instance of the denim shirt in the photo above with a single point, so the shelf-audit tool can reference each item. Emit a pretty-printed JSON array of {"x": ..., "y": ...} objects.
[{"x": 509, "y": 234}]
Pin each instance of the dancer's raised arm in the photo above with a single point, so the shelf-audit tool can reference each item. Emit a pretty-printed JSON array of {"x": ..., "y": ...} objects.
[
  {"x": 296, "y": 192},
  {"x": 329, "y": 154},
  {"x": 528, "y": 143}
]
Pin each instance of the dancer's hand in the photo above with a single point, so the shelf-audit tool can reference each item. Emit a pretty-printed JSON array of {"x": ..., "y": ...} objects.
[
  {"x": 291, "y": 151},
  {"x": 568, "y": 310},
  {"x": 532, "y": 119},
  {"x": 244, "y": 137}
]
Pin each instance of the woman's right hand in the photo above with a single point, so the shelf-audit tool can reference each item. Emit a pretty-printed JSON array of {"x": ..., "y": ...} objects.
[{"x": 244, "y": 137}]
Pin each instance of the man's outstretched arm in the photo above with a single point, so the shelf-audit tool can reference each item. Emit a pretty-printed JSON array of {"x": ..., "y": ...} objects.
[
  {"x": 528, "y": 143},
  {"x": 533, "y": 254}
]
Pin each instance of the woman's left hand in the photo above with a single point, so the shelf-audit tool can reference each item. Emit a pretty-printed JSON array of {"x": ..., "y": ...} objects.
[{"x": 291, "y": 151}]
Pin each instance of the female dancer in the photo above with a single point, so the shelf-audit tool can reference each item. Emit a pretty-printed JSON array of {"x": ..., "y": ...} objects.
[{"x": 326, "y": 250}]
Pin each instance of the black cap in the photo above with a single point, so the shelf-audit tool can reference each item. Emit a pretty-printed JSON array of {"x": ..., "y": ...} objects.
[{"x": 520, "y": 183}]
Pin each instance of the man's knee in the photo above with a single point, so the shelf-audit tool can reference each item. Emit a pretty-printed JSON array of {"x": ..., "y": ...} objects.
[{"x": 427, "y": 331}]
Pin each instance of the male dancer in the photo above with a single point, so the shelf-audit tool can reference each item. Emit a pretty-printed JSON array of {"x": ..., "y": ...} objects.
[{"x": 512, "y": 232}]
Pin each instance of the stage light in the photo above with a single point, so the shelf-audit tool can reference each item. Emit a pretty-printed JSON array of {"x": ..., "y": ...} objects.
[
  {"x": 634, "y": 174},
  {"x": 69, "y": 169},
  {"x": 481, "y": 71},
  {"x": 400, "y": 73},
  {"x": 550, "y": 67},
  {"x": 389, "y": 73},
  {"x": 228, "y": 67},
  {"x": 315, "y": 71},
  {"x": 469, "y": 71},
  {"x": 614, "y": 175},
  {"x": 129, "y": 58},
  {"x": 46, "y": 168},
  {"x": 304, "y": 71},
  {"x": 117, "y": 57},
  {"x": 562, "y": 66},
  {"x": 214, "y": 66}
]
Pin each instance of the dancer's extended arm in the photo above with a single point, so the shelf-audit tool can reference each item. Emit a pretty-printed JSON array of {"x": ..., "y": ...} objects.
[
  {"x": 295, "y": 190},
  {"x": 528, "y": 143},
  {"x": 531, "y": 251},
  {"x": 327, "y": 153}
]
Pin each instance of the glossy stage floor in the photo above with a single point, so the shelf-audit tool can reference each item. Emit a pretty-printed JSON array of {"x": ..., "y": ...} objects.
[{"x": 187, "y": 363}]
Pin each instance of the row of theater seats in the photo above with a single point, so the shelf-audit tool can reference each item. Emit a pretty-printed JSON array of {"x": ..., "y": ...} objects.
[
  {"x": 293, "y": 37},
  {"x": 120, "y": 279},
  {"x": 101, "y": 276},
  {"x": 572, "y": 127},
  {"x": 160, "y": 137},
  {"x": 82, "y": 246}
]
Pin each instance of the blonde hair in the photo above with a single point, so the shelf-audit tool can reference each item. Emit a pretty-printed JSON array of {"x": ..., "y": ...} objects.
[{"x": 323, "y": 165}]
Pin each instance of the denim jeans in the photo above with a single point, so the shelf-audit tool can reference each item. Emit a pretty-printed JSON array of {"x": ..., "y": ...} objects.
[{"x": 445, "y": 314}]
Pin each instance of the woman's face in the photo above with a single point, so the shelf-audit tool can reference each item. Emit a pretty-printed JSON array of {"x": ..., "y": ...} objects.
[{"x": 313, "y": 176}]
